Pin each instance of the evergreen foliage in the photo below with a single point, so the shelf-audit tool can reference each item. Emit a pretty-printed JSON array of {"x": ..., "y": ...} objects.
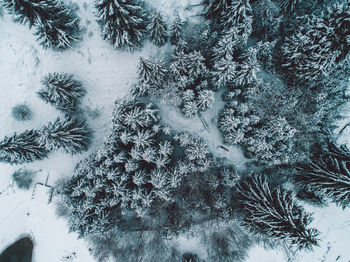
[
  {"x": 22, "y": 148},
  {"x": 328, "y": 174},
  {"x": 157, "y": 29},
  {"x": 271, "y": 211},
  {"x": 123, "y": 23},
  {"x": 69, "y": 134},
  {"x": 62, "y": 91},
  {"x": 213, "y": 9}
]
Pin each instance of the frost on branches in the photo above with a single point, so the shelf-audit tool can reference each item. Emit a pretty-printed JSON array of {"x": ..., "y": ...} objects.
[
  {"x": 271, "y": 211},
  {"x": 122, "y": 23},
  {"x": 158, "y": 29}
]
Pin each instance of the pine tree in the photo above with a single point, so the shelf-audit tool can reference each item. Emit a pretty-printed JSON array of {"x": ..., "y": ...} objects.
[
  {"x": 145, "y": 70},
  {"x": 62, "y": 91},
  {"x": 176, "y": 30},
  {"x": 271, "y": 211},
  {"x": 158, "y": 29},
  {"x": 328, "y": 174},
  {"x": 238, "y": 16},
  {"x": 69, "y": 134},
  {"x": 56, "y": 25},
  {"x": 61, "y": 30},
  {"x": 224, "y": 71},
  {"x": 122, "y": 22},
  {"x": 205, "y": 99},
  {"x": 28, "y": 12},
  {"x": 247, "y": 69},
  {"x": 22, "y": 148}
]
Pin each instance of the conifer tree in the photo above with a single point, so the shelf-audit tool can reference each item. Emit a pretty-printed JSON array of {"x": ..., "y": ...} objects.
[
  {"x": 176, "y": 30},
  {"x": 122, "y": 22},
  {"x": 328, "y": 174},
  {"x": 56, "y": 25},
  {"x": 69, "y": 134},
  {"x": 62, "y": 91},
  {"x": 28, "y": 12},
  {"x": 238, "y": 16},
  {"x": 157, "y": 29},
  {"x": 22, "y": 148},
  {"x": 61, "y": 30},
  {"x": 271, "y": 211}
]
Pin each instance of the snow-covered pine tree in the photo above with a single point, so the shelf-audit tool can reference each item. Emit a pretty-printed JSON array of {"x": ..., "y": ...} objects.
[
  {"x": 271, "y": 211},
  {"x": 238, "y": 16},
  {"x": 205, "y": 99},
  {"x": 123, "y": 23},
  {"x": 176, "y": 30},
  {"x": 57, "y": 26},
  {"x": 145, "y": 70},
  {"x": 247, "y": 69},
  {"x": 60, "y": 30},
  {"x": 28, "y": 12},
  {"x": 22, "y": 148},
  {"x": 62, "y": 91},
  {"x": 157, "y": 29},
  {"x": 69, "y": 134},
  {"x": 224, "y": 71},
  {"x": 329, "y": 175}
]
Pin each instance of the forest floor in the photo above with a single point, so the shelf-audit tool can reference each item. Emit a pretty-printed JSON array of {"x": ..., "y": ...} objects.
[{"x": 107, "y": 74}]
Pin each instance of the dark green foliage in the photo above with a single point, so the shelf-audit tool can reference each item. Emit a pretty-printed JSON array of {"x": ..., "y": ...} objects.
[
  {"x": 271, "y": 211},
  {"x": 22, "y": 148},
  {"x": 62, "y": 91},
  {"x": 69, "y": 134},
  {"x": 123, "y": 23},
  {"x": 23, "y": 178},
  {"x": 21, "y": 112},
  {"x": 328, "y": 174},
  {"x": 189, "y": 257},
  {"x": 213, "y": 9},
  {"x": 157, "y": 29}
]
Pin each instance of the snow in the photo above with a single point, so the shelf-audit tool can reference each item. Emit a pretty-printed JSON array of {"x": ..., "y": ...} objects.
[{"x": 107, "y": 74}]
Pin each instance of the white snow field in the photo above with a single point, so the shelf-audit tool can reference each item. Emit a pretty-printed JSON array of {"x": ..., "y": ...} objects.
[{"x": 107, "y": 74}]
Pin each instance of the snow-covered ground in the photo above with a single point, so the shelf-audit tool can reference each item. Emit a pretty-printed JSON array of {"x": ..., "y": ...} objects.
[{"x": 107, "y": 75}]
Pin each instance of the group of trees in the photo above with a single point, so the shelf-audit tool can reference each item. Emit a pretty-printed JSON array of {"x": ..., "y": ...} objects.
[
  {"x": 126, "y": 24},
  {"x": 70, "y": 133},
  {"x": 56, "y": 25}
]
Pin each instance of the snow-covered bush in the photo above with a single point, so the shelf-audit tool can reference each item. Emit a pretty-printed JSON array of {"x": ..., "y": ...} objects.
[
  {"x": 62, "y": 91},
  {"x": 123, "y": 23},
  {"x": 21, "y": 112},
  {"x": 23, "y": 178}
]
